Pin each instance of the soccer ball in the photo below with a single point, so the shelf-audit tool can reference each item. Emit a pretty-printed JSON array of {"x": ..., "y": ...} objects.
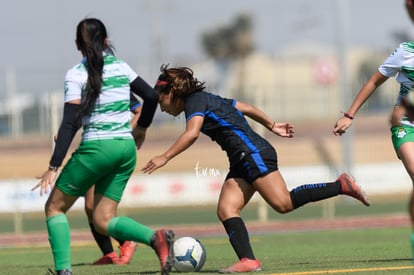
[{"x": 189, "y": 253}]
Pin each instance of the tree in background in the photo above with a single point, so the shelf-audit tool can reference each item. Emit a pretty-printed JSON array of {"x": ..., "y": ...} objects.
[{"x": 227, "y": 44}]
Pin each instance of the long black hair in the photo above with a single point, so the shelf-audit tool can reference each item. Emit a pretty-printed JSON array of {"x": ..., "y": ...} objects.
[{"x": 91, "y": 39}]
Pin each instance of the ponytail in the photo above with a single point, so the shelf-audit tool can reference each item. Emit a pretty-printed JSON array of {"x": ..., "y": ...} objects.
[{"x": 90, "y": 37}]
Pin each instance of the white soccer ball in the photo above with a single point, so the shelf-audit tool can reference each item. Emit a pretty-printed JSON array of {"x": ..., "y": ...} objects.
[{"x": 190, "y": 254}]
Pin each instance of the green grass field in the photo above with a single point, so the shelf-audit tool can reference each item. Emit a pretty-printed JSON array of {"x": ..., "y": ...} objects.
[
  {"x": 356, "y": 251},
  {"x": 31, "y": 222},
  {"x": 374, "y": 251}
]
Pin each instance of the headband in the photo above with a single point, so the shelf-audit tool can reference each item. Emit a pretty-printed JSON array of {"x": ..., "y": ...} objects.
[{"x": 161, "y": 83}]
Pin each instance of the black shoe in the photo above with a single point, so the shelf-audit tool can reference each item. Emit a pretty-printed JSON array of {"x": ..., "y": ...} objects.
[
  {"x": 59, "y": 272},
  {"x": 64, "y": 272}
]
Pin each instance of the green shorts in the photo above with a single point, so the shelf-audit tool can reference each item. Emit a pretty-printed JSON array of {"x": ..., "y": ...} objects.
[
  {"x": 401, "y": 134},
  {"x": 107, "y": 164}
]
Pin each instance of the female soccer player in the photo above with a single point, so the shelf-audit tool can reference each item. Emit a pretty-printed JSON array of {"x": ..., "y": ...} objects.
[
  {"x": 126, "y": 248},
  {"x": 97, "y": 96},
  {"x": 253, "y": 160},
  {"x": 400, "y": 64}
]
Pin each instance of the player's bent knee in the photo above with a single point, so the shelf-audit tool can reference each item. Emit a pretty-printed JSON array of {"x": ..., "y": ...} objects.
[
  {"x": 224, "y": 214},
  {"x": 101, "y": 228},
  {"x": 282, "y": 208}
]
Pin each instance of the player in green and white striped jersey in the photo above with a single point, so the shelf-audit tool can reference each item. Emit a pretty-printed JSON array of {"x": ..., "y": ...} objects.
[
  {"x": 97, "y": 97},
  {"x": 400, "y": 64}
]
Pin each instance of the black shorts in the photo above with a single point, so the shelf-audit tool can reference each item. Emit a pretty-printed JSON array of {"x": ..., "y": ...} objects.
[{"x": 254, "y": 166}]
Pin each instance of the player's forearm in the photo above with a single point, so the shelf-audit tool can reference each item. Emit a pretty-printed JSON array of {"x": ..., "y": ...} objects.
[
  {"x": 181, "y": 144},
  {"x": 68, "y": 128}
]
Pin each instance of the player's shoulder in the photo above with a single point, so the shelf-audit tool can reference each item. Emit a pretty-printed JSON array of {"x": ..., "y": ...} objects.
[
  {"x": 407, "y": 46},
  {"x": 115, "y": 64},
  {"x": 112, "y": 59},
  {"x": 77, "y": 70}
]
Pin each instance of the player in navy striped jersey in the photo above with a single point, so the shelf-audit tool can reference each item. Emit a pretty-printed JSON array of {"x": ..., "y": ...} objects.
[
  {"x": 97, "y": 97},
  {"x": 253, "y": 160}
]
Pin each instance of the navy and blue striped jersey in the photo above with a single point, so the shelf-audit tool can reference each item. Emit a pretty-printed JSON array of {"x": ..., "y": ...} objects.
[{"x": 224, "y": 124}]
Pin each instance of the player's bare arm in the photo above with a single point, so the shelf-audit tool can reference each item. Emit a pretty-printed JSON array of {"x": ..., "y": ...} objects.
[
  {"x": 281, "y": 129},
  {"x": 183, "y": 142},
  {"x": 364, "y": 93}
]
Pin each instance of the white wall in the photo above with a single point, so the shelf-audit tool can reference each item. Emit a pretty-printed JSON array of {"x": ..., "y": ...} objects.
[{"x": 180, "y": 189}]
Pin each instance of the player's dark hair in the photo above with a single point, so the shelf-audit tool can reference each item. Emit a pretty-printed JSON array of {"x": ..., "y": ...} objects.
[
  {"x": 90, "y": 38},
  {"x": 180, "y": 81}
]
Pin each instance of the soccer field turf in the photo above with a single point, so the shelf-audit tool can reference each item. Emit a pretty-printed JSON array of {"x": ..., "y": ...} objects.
[{"x": 362, "y": 251}]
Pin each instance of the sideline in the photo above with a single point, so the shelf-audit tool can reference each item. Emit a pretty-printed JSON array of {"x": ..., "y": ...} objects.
[{"x": 352, "y": 270}]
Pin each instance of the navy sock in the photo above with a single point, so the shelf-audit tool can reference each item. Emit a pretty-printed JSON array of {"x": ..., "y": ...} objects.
[
  {"x": 304, "y": 194},
  {"x": 239, "y": 237},
  {"x": 104, "y": 242}
]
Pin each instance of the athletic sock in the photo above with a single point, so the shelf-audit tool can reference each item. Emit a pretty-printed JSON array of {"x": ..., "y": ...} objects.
[
  {"x": 104, "y": 242},
  {"x": 124, "y": 228},
  {"x": 304, "y": 194},
  {"x": 239, "y": 237},
  {"x": 59, "y": 239},
  {"x": 412, "y": 243}
]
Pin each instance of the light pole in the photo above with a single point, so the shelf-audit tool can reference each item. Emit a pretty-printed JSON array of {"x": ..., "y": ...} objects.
[{"x": 342, "y": 12}]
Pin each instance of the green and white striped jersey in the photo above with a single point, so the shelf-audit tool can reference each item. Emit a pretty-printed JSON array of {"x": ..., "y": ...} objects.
[
  {"x": 110, "y": 117},
  {"x": 400, "y": 64}
]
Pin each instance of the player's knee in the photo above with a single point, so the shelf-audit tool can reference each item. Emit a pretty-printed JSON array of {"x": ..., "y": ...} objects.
[
  {"x": 281, "y": 210},
  {"x": 51, "y": 209},
  {"x": 100, "y": 228},
  {"x": 224, "y": 213},
  {"x": 282, "y": 207},
  {"x": 100, "y": 224}
]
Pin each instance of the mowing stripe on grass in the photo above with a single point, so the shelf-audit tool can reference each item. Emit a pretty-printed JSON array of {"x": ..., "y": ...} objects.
[{"x": 352, "y": 270}]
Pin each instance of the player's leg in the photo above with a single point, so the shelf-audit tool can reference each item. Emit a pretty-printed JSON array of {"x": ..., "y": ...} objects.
[
  {"x": 108, "y": 193},
  {"x": 405, "y": 153},
  {"x": 125, "y": 228},
  {"x": 272, "y": 188},
  {"x": 58, "y": 229},
  {"x": 109, "y": 256},
  {"x": 234, "y": 195},
  {"x": 411, "y": 212},
  {"x": 103, "y": 241},
  {"x": 71, "y": 184}
]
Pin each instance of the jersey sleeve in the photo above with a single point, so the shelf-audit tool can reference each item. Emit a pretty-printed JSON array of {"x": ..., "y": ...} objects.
[
  {"x": 129, "y": 72},
  {"x": 393, "y": 64},
  {"x": 73, "y": 85}
]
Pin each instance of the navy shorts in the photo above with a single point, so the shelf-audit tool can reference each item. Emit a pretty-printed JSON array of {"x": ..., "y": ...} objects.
[{"x": 254, "y": 166}]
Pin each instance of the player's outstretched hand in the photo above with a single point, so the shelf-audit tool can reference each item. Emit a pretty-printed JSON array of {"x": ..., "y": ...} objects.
[
  {"x": 283, "y": 129},
  {"x": 47, "y": 181},
  {"x": 154, "y": 164},
  {"x": 341, "y": 125}
]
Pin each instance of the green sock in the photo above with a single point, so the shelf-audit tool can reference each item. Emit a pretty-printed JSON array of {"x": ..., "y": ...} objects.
[
  {"x": 59, "y": 239},
  {"x": 124, "y": 228},
  {"x": 412, "y": 242}
]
